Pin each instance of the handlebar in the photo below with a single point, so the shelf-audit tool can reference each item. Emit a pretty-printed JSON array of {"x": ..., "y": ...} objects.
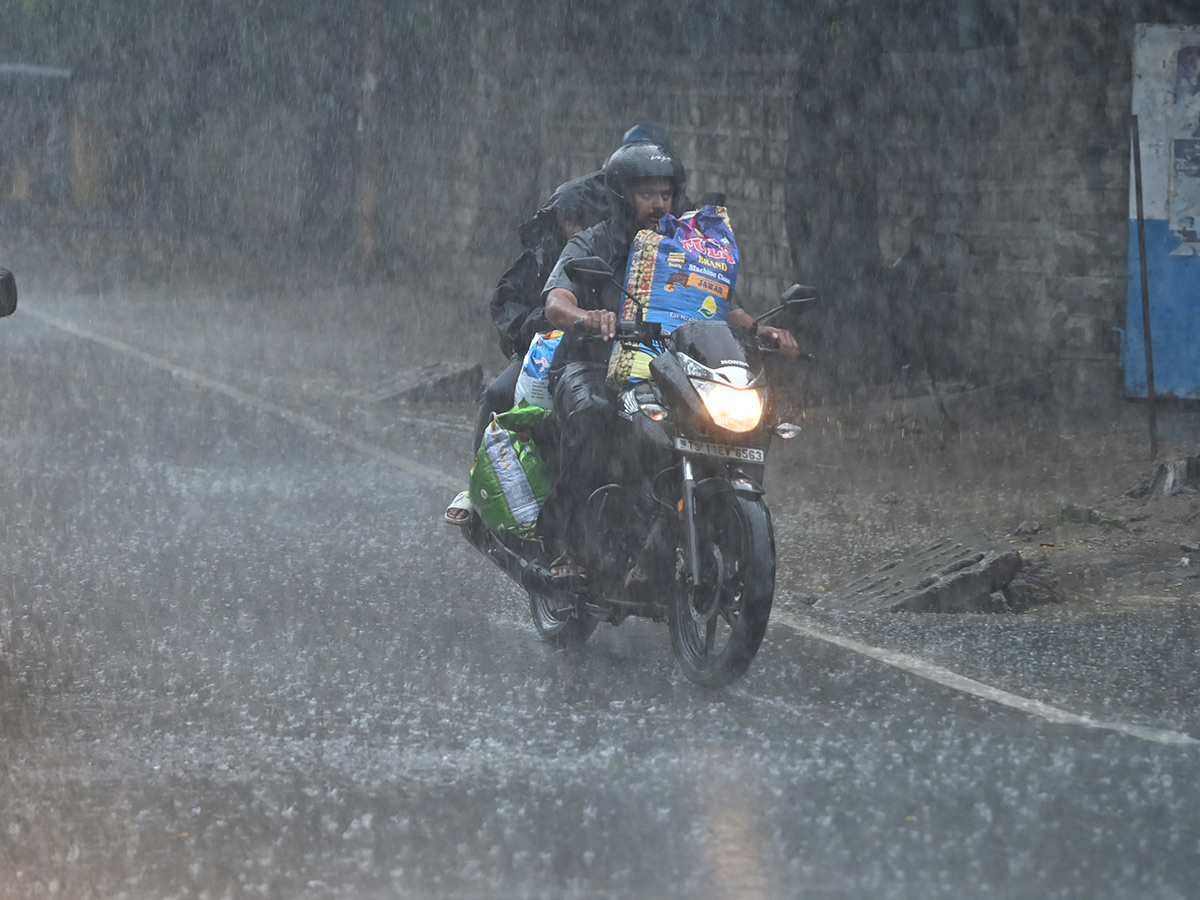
[
  {"x": 650, "y": 332},
  {"x": 770, "y": 349},
  {"x": 640, "y": 332}
]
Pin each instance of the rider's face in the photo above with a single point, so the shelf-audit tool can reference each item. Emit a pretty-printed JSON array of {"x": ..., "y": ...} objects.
[
  {"x": 569, "y": 228},
  {"x": 652, "y": 199}
]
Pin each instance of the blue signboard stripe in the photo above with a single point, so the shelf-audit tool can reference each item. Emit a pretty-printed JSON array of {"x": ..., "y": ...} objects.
[{"x": 1174, "y": 285}]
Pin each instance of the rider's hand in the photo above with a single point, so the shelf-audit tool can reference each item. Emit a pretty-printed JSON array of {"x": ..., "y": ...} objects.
[
  {"x": 782, "y": 339},
  {"x": 600, "y": 322}
]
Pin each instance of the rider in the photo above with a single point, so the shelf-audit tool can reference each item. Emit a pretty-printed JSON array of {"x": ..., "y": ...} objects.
[{"x": 644, "y": 181}]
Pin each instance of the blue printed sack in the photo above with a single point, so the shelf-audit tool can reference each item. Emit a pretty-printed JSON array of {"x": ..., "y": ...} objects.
[{"x": 684, "y": 272}]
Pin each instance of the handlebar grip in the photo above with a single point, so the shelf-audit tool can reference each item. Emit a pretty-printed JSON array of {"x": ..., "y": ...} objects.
[
  {"x": 585, "y": 337},
  {"x": 765, "y": 346},
  {"x": 772, "y": 350}
]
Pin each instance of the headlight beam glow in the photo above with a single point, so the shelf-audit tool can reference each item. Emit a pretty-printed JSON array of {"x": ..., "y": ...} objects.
[{"x": 732, "y": 409}]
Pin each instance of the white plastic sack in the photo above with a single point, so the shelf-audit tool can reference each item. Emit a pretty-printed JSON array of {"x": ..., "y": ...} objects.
[{"x": 533, "y": 384}]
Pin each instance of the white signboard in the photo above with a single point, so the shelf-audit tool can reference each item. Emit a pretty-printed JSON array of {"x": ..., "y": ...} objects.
[{"x": 1166, "y": 100}]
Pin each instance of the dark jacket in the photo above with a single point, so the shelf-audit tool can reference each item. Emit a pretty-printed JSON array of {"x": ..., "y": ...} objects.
[{"x": 517, "y": 307}]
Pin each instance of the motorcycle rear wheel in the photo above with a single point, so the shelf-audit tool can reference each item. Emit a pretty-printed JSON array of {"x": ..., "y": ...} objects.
[
  {"x": 716, "y": 631},
  {"x": 557, "y": 625}
]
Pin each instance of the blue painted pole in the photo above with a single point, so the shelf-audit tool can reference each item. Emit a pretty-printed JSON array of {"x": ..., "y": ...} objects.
[{"x": 1141, "y": 231}]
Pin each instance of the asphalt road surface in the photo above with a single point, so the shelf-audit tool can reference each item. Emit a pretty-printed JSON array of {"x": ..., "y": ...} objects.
[{"x": 242, "y": 657}]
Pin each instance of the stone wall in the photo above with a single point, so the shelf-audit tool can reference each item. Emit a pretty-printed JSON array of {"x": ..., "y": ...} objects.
[{"x": 1006, "y": 167}]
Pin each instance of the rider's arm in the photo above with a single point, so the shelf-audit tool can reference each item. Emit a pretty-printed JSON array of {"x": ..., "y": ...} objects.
[
  {"x": 740, "y": 317},
  {"x": 782, "y": 337},
  {"x": 563, "y": 310}
]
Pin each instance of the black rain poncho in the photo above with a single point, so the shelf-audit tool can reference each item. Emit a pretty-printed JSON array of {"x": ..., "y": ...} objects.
[{"x": 517, "y": 309}]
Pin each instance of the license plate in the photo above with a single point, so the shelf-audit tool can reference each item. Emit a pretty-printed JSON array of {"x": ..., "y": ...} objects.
[{"x": 724, "y": 451}]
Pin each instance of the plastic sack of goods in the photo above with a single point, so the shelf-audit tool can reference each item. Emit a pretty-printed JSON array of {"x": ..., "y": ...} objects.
[
  {"x": 533, "y": 384},
  {"x": 685, "y": 273},
  {"x": 510, "y": 481}
]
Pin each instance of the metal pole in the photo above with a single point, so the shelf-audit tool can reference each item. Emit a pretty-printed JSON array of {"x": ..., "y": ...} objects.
[{"x": 1141, "y": 227}]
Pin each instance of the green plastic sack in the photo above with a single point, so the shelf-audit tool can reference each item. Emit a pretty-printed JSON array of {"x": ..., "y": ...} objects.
[{"x": 510, "y": 481}]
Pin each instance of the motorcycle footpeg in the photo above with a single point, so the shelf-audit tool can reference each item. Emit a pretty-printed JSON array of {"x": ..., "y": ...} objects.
[
  {"x": 540, "y": 578},
  {"x": 571, "y": 584}
]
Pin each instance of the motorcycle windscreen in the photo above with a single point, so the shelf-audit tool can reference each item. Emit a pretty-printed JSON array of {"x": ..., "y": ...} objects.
[{"x": 717, "y": 344}]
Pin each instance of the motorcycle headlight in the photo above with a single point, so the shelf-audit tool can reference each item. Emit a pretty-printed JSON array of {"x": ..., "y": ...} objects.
[{"x": 734, "y": 409}]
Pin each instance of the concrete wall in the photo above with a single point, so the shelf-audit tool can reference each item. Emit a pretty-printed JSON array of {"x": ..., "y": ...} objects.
[{"x": 1015, "y": 183}]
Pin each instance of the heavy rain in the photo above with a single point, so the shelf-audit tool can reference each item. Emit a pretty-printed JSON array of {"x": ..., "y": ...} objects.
[{"x": 908, "y": 609}]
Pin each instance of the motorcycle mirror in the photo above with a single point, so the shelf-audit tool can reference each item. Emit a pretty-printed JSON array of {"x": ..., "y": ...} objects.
[
  {"x": 798, "y": 298},
  {"x": 8, "y": 293},
  {"x": 795, "y": 300},
  {"x": 590, "y": 271},
  {"x": 798, "y": 294}
]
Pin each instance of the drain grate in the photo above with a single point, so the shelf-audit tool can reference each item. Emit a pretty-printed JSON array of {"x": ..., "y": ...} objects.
[{"x": 950, "y": 575}]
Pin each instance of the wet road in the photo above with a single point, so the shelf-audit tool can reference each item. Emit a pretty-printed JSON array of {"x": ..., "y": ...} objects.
[{"x": 243, "y": 660}]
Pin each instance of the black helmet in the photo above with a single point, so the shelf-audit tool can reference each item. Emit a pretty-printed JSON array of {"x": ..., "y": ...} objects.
[{"x": 641, "y": 159}]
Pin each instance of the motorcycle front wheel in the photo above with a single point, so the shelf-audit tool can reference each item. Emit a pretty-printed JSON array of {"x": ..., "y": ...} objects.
[
  {"x": 557, "y": 624},
  {"x": 717, "y": 630}
]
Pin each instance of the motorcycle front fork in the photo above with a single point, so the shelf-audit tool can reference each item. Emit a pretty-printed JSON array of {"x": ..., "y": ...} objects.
[{"x": 691, "y": 538}]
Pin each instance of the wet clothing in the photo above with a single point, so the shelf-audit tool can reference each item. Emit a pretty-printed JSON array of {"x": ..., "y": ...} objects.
[
  {"x": 609, "y": 241},
  {"x": 517, "y": 303},
  {"x": 587, "y": 422},
  {"x": 517, "y": 306},
  {"x": 517, "y": 310},
  {"x": 583, "y": 404},
  {"x": 497, "y": 397}
]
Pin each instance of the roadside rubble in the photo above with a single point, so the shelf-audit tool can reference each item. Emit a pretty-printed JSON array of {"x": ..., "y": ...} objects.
[
  {"x": 1170, "y": 477},
  {"x": 1142, "y": 544}
]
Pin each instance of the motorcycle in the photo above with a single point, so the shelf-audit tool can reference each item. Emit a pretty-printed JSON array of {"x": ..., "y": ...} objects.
[{"x": 685, "y": 505}]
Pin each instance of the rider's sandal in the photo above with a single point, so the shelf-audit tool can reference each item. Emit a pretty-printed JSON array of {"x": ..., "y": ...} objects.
[
  {"x": 566, "y": 568},
  {"x": 460, "y": 509},
  {"x": 635, "y": 583}
]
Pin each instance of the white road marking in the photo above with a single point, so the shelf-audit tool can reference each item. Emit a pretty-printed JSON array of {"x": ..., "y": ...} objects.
[
  {"x": 300, "y": 420},
  {"x": 911, "y": 664},
  {"x": 947, "y": 678}
]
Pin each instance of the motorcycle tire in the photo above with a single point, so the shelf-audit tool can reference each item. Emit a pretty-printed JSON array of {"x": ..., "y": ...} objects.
[
  {"x": 561, "y": 628},
  {"x": 716, "y": 632}
]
